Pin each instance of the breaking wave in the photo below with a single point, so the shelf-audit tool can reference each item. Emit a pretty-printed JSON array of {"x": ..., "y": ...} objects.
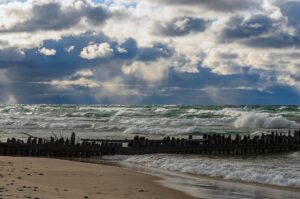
[
  {"x": 263, "y": 120},
  {"x": 149, "y": 120},
  {"x": 257, "y": 170}
]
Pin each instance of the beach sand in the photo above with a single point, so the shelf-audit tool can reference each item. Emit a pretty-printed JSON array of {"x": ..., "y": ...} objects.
[{"x": 52, "y": 178}]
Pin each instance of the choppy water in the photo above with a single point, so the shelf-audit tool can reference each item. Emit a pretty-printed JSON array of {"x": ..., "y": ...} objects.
[{"x": 157, "y": 121}]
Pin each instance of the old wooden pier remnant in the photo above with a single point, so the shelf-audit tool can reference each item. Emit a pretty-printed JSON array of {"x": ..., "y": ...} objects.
[{"x": 215, "y": 144}]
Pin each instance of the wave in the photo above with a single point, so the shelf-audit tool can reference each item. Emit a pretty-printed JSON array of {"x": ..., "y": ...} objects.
[
  {"x": 232, "y": 169},
  {"x": 263, "y": 120},
  {"x": 99, "y": 114},
  {"x": 148, "y": 120}
]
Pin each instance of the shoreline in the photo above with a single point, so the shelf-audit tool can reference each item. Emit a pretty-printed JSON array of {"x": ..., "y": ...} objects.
[
  {"x": 167, "y": 179},
  {"x": 27, "y": 177},
  {"x": 98, "y": 178},
  {"x": 227, "y": 185},
  {"x": 148, "y": 171}
]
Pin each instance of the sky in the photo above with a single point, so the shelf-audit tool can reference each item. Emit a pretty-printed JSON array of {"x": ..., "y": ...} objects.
[{"x": 207, "y": 52}]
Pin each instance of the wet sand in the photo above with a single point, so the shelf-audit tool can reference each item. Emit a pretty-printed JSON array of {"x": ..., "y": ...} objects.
[
  {"x": 217, "y": 187},
  {"x": 52, "y": 178}
]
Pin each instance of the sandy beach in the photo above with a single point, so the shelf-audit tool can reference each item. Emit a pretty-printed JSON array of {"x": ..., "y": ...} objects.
[{"x": 52, "y": 178}]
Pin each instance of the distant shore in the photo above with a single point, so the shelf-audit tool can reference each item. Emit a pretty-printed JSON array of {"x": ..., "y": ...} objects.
[{"x": 53, "y": 178}]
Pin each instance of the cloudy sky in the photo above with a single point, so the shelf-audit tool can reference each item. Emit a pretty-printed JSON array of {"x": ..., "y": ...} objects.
[{"x": 150, "y": 51}]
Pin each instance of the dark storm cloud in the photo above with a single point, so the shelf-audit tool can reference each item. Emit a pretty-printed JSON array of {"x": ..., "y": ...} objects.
[
  {"x": 158, "y": 50},
  {"x": 218, "y": 5},
  {"x": 239, "y": 27},
  {"x": 260, "y": 31},
  {"x": 131, "y": 47},
  {"x": 53, "y": 16},
  {"x": 181, "y": 26},
  {"x": 96, "y": 15},
  {"x": 275, "y": 41}
]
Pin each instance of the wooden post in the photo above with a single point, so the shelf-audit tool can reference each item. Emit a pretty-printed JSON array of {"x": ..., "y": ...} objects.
[{"x": 73, "y": 139}]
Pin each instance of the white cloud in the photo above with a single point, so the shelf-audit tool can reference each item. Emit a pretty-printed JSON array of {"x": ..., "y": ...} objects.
[
  {"x": 121, "y": 50},
  {"x": 47, "y": 52},
  {"x": 84, "y": 73},
  {"x": 94, "y": 51},
  {"x": 63, "y": 84},
  {"x": 69, "y": 49}
]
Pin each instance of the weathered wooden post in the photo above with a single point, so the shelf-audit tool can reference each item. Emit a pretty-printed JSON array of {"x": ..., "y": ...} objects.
[
  {"x": 135, "y": 142},
  {"x": 73, "y": 139},
  {"x": 256, "y": 140},
  {"x": 280, "y": 139},
  {"x": 67, "y": 143},
  {"x": 167, "y": 141},
  {"x": 290, "y": 139},
  {"x": 237, "y": 139},
  {"x": 229, "y": 140},
  {"x": 52, "y": 140},
  {"x": 284, "y": 139},
  {"x": 204, "y": 137},
  {"x": 218, "y": 139},
  {"x": 272, "y": 138},
  {"x": 34, "y": 141},
  {"x": 214, "y": 139},
  {"x": 178, "y": 143},
  {"x": 40, "y": 141},
  {"x": 276, "y": 138},
  {"x": 297, "y": 137},
  {"x": 142, "y": 142},
  {"x": 263, "y": 139},
  {"x": 147, "y": 142},
  {"x": 182, "y": 142},
  {"x": 245, "y": 139}
]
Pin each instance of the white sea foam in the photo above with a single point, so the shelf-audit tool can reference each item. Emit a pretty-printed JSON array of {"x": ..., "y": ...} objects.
[
  {"x": 282, "y": 107},
  {"x": 165, "y": 131},
  {"x": 263, "y": 120},
  {"x": 161, "y": 110},
  {"x": 251, "y": 170},
  {"x": 295, "y": 155},
  {"x": 130, "y": 113}
]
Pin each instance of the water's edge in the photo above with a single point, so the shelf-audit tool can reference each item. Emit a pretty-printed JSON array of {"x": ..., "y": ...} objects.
[{"x": 210, "y": 187}]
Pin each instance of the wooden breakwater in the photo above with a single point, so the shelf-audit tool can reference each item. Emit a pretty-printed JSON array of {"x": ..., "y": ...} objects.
[{"x": 207, "y": 145}]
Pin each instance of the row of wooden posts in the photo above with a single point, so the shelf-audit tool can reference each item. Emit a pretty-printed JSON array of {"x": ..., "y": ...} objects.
[{"x": 207, "y": 144}]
